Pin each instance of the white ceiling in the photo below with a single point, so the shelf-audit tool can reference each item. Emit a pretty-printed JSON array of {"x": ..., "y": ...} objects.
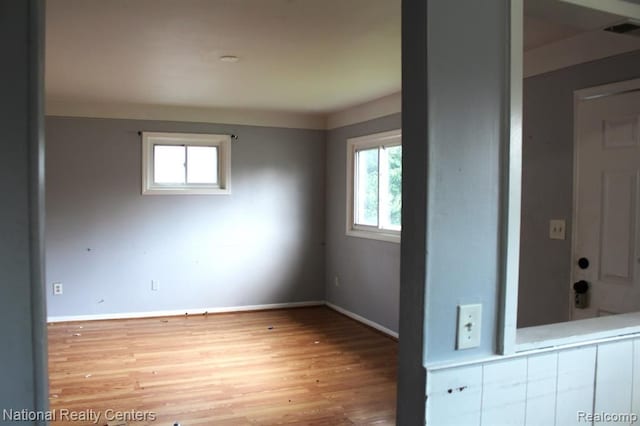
[
  {"x": 308, "y": 56},
  {"x": 295, "y": 55}
]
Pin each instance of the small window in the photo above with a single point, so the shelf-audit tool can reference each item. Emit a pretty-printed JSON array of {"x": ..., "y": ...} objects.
[
  {"x": 185, "y": 163},
  {"x": 374, "y": 186}
]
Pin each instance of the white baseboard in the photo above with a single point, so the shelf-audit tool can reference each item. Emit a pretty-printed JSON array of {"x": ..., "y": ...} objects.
[
  {"x": 363, "y": 320},
  {"x": 195, "y": 311}
]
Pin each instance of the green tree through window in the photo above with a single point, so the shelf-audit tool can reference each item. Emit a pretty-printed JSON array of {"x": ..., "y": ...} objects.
[
  {"x": 394, "y": 154},
  {"x": 374, "y": 164}
]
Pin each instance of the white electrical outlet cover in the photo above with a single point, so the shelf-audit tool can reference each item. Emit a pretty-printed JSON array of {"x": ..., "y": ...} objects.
[
  {"x": 557, "y": 229},
  {"x": 57, "y": 289}
]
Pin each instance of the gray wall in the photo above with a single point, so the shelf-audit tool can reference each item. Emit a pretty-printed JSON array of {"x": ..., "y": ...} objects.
[
  {"x": 368, "y": 270},
  {"x": 547, "y": 182},
  {"x": 106, "y": 242},
  {"x": 466, "y": 87},
  {"x": 23, "y": 358}
]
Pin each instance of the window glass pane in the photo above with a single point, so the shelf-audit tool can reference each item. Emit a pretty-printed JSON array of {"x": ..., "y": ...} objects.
[
  {"x": 202, "y": 164},
  {"x": 168, "y": 164},
  {"x": 394, "y": 187},
  {"x": 366, "y": 187}
]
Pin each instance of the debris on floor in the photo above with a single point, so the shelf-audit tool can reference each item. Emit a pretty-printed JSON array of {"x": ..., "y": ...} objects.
[
  {"x": 77, "y": 334},
  {"x": 270, "y": 327},
  {"x": 86, "y": 376}
]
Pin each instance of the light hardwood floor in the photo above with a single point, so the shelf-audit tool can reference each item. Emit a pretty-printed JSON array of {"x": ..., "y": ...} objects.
[{"x": 304, "y": 366}]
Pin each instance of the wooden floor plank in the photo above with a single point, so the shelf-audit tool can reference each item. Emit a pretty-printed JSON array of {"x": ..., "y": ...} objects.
[{"x": 305, "y": 366}]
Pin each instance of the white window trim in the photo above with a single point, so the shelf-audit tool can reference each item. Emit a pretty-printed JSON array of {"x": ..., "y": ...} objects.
[
  {"x": 393, "y": 137},
  {"x": 222, "y": 142}
]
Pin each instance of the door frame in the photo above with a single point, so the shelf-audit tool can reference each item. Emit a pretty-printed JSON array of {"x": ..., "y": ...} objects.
[{"x": 580, "y": 96}]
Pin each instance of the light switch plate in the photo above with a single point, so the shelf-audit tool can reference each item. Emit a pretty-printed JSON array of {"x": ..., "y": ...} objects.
[
  {"x": 155, "y": 285},
  {"x": 469, "y": 326},
  {"x": 557, "y": 229}
]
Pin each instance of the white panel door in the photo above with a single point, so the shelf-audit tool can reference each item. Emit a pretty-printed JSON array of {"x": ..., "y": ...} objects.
[{"x": 606, "y": 208}]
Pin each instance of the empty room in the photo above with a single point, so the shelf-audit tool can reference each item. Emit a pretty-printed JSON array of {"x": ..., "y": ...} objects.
[
  {"x": 201, "y": 261},
  {"x": 257, "y": 212}
]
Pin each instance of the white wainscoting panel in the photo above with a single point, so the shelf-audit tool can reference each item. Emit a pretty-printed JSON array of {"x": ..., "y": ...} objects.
[
  {"x": 542, "y": 389},
  {"x": 542, "y": 371},
  {"x": 635, "y": 391},
  {"x": 455, "y": 396},
  {"x": 614, "y": 379},
  {"x": 576, "y": 378},
  {"x": 504, "y": 388}
]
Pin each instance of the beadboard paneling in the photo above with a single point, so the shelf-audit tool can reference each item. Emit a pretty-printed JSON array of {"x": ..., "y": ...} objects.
[{"x": 546, "y": 389}]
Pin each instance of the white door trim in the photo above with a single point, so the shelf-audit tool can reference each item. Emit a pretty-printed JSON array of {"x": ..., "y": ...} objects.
[{"x": 580, "y": 96}]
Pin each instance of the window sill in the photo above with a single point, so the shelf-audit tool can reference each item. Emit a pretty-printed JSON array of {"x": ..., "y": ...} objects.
[
  {"x": 373, "y": 235},
  {"x": 578, "y": 332},
  {"x": 186, "y": 191}
]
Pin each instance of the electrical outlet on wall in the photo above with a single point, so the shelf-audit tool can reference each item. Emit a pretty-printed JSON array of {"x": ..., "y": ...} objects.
[
  {"x": 57, "y": 289},
  {"x": 336, "y": 281},
  {"x": 557, "y": 229}
]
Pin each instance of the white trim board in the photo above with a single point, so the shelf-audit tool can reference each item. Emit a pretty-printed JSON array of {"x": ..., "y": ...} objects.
[
  {"x": 218, "y": 310},
  {"x": 362, "y": 319},
  {"x": 177, "y": 312}
]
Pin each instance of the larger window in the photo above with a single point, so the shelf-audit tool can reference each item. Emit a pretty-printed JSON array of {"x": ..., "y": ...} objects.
[
  {"x": 185, "y": 163},
  {"x": 374, "y": 186}
]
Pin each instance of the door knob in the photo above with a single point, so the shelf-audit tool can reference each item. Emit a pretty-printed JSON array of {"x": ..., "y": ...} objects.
[
  {"x": 581, "y": 287},
  {"x": 581, "y": 299},
  {"x": 583, "y": 263}
]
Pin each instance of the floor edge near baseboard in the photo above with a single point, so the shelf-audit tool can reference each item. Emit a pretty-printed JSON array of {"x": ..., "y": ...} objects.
[
  {"x": 176, "y": 312},
  {"x": 245, "y": 308},
  {"x": 362, "y": 320}
]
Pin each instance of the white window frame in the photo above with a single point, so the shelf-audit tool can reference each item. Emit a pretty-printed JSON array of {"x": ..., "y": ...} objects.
[
  {"x": 377, "y": 140},
  {"x": 511, "y": 339},
  {"x": 221, "y": 142}
]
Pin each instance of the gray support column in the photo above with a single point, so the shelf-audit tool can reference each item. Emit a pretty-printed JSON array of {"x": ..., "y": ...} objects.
[
  {"x": 23, "y": 358},
  {"x": 455, "y": 112}
]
